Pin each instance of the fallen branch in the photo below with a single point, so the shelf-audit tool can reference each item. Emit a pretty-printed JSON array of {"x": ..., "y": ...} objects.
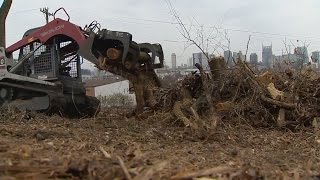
[
  {"x": 124, "y": 169},
  {"x": 262, "y": 95},
  {"x": 107, "y": 155},
  {"x": 179, "y": 114},
  {"x": 195, "y": 114},
  {"x": 277, "y": 103}
]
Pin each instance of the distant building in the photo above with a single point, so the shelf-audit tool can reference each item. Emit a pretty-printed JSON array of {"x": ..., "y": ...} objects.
[
  {"x": 294, "y": 59},
  {"x": 302, "y": 58},
  {"x": 201, "y": 59},
  {"x": 302, "y": 52},
  {"x": 190, "y": 62},
  {"x": 235, "y": 56},
  {"x": 182, "y": 66},
  {"x": 315, "y": 57},
  {"x": 101, "y": 74},
  {"x": 173, "y": 61},
  {"x": 241, "y": 56},
  {"x": 107, "y": 87},
  {"x": 238, "y": 56},
  {"x": 86, "y": 74},
  {"x": 267, "y": 56},
  {"x": 253, "y": 58},
  {"x": 228, "y": 58}
]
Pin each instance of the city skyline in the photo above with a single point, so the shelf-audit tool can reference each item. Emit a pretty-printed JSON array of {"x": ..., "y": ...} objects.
[{"x": 267, "y": 57}]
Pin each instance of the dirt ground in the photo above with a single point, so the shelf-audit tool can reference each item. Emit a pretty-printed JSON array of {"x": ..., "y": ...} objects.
[{"x": 35, "y": 146}]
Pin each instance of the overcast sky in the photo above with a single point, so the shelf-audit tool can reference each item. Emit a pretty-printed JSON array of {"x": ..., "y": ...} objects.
[{"x": 267, "y": 21}]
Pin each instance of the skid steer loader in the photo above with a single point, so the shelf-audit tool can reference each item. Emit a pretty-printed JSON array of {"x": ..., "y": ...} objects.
[{"x": 46, "y": 75}]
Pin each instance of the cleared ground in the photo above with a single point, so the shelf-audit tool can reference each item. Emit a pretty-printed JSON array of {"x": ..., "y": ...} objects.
[{"x": 33, "y": 146}]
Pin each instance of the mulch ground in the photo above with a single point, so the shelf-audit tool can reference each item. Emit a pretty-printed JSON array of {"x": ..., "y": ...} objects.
[{"x": 113, "y": 147}]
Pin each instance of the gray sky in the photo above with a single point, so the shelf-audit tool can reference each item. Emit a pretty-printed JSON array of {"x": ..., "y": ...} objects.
[{"x": 267, "y": 21}]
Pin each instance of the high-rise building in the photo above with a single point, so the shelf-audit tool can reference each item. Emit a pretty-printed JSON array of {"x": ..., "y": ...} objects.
[
  {"x": 253, "y": 58},
  {"x": 316, "y": 57},
  {"x": 173, "y": 61},
  {"x": 228, "y": 57},
  {"x": 238, "y": 56},
  {"x": 200, "y": 58},
  {"x": 267, "y": 56},
  {"x": 235, "y": 56},
  {"x": 302, "y": 53},
  {"x": 241, "y": 56}
]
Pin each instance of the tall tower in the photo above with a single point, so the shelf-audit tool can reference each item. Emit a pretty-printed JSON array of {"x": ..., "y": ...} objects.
[
  {"x": 254, "y": 58},
  {"x": 173, "y": 61},
  {"x": 302, "y": 52},
  {"x": 228, "y": 57},
  {"x": 316, "y": 57},
  {"x": 267, "y": 56}
]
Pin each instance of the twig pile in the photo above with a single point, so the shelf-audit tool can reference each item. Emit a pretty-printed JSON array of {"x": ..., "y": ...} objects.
[{"x": 287, "y": 98}]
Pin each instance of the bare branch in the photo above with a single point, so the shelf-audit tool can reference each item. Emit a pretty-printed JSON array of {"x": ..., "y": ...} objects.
[{"x": 247, "y": 47}]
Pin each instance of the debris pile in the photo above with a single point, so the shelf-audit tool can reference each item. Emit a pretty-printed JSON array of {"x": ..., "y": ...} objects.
[{"x": 269, "y": 98}]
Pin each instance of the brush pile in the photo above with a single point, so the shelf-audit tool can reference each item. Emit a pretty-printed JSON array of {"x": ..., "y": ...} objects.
[{"x": 270, "y": 98}]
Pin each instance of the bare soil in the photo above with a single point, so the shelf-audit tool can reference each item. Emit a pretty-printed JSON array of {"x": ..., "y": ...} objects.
[{"x": 40, "y": 147}]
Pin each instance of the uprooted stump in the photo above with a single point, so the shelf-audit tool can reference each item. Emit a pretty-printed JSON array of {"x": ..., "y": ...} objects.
[{"x": 191, "y": 103}]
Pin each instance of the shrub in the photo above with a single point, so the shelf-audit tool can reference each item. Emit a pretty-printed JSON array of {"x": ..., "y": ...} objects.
[{"x": 116, "y": 100}]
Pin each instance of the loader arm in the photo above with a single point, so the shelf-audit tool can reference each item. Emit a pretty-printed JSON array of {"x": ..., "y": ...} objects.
[{"x": 4, "y": 10}]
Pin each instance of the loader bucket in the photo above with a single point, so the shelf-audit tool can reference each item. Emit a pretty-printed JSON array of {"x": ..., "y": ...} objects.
[
  {"x": 98, "y": 44},
  {"x": 121, "y": 51}
]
